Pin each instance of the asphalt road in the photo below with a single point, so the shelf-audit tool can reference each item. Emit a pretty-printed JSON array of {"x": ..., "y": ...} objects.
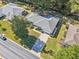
[{"x": 10, "y": 50}]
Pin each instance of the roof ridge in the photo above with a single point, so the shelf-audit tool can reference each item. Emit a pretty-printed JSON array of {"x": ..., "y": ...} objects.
[
  {"x": 41, "y": 19},
  {"x": 48, "y": 26}
]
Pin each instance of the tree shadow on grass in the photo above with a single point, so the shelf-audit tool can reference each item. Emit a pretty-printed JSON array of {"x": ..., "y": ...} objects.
[
  {"x": 19, "y": 27},
  {"x": 28, "y": 42}
]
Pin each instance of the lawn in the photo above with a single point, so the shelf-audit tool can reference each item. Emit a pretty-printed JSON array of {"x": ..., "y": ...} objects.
[
  {"x": 34, "y": 33},
  {"x": 5, "y": 28},
  {"x": 54, "y": 44}
]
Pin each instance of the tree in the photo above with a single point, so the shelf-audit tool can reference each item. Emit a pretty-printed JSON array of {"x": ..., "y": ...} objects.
[
  {"x": 19, "y": 26},
  {"x": 11, "y": 1},
  {"x": 64, "y": 7},
  {"x": 73, "y": 6},
  {"x": 71, "y": 52}
]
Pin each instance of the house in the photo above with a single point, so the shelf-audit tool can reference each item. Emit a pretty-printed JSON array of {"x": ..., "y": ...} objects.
[
  {"x": 72, "y": 36},
  {"x": 1, "y": 14},
  {"x": 48, "y": 25},
  {"x": 11, "y": 10}
]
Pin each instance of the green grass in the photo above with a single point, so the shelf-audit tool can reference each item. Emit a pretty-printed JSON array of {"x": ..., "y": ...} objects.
[
  {"x": 33, "y": 33},
  {"x": 6, "y": 28},
  {"x": 54, "y": 43},
  {"x": 8, "y": 32}
]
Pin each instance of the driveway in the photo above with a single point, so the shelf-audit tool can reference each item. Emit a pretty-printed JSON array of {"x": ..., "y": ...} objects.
[{"x": 44, "y": 37}]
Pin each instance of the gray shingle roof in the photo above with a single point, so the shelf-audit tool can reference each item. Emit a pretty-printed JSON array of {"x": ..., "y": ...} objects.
[
  {"x": 45, "y": 24},
  {"x": 1, "y": 14},
  {"x": 11, "y": 10}
]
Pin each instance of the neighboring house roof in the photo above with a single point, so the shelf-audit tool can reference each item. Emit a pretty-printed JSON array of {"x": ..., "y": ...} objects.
[
  {"x": 47, "y": 25},
  {"x": 11, "y": 10},
  {"x": 72, "y": 36}
]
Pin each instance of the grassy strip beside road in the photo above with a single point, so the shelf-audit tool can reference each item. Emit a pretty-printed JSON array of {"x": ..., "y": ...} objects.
[{"x": 6, "y": 28}]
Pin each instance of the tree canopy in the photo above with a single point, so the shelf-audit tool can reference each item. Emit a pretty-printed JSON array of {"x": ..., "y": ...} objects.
[
  {"x": 63, "y": 6},
  {"x": 71, "y": 52},
  {"x": 20, "y": 28}
]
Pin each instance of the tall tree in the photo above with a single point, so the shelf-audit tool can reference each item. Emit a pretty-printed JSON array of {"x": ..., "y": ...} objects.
[
  {"x": 19, "y": 26},
  {"x": 64, "y": 7},
  {"x": 71, "y": 52}
]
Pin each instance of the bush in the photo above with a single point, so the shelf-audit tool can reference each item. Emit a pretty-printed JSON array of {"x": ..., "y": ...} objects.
[
  {"x": 0, "y": 25},
  {"x": 24, "y": 13},
  {"x": 4, "y": 29}
]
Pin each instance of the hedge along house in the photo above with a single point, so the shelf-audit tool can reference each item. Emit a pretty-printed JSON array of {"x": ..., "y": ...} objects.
[
  {"x": 48, "y": 25},
  {"x": 10, "y": 10}
]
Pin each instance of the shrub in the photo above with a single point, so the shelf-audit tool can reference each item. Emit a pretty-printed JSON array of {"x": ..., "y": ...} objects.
[{"x": 4, "y": 29}]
